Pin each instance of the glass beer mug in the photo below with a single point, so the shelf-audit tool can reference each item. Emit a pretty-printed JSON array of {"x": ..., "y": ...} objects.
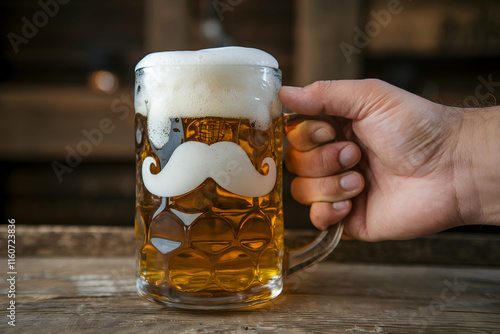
[{"x": 209, "y": 216}]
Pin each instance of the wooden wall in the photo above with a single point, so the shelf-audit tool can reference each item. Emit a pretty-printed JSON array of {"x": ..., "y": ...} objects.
[{"x": 435, "y": 49}]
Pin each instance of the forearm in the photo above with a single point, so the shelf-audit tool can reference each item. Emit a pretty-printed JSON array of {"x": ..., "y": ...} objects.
[{"x": 477, "y": 166}]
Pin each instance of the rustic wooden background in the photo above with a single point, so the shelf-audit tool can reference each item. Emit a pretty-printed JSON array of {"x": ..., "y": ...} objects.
[{"x": 434, "y": 49}]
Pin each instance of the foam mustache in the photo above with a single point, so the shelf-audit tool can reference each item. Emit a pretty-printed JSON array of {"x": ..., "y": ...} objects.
[{"x": 193, "y": 162}]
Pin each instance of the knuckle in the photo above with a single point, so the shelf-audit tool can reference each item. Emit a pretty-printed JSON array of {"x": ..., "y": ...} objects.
[
  {"x": 373, "y": 85},
  {"x": 323, "y": 160},
  {"x": 326, "y": 187},
  {"x": 321, "y": 85},
  {"x": 320, "y": 161}
]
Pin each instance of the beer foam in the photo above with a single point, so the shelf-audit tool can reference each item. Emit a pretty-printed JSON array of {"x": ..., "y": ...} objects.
[
  {"x": 230, "y": 55},
  {"x": 230, "y": 82}
]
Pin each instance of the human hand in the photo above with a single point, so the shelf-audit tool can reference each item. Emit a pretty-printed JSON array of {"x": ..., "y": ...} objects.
[{"x": 407, "y": 152}]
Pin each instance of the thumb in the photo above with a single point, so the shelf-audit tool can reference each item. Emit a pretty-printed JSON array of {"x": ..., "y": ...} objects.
[{"x": 345, "y": 98}]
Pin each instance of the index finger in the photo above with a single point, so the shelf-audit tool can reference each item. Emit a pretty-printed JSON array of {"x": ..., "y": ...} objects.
[{"x": 345, "y": 98}]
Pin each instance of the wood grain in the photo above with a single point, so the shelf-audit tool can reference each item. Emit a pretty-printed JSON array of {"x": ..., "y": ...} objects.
[
  {"x": 440, "y": 249},
  {"x": 90, "y": 294},
  {"x": 40, "y": 123}
]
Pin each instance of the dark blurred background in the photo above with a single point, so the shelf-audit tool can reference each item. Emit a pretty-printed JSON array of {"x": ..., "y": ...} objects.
[{"x": 67, "y": 73}]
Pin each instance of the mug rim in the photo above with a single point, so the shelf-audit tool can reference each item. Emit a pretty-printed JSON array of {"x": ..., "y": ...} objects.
[{"x": 210, "y": 65}]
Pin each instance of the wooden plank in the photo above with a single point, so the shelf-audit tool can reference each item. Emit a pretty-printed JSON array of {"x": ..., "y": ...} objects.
[
  {"x": 41, "y": 123},
  {"x": 445, "y": 248},
  {"x": 322, "y": 25},
  {"x": 94, "y": 193},
  {"x": 53, "y": 240},
  {"x": 86, "y": 294}
]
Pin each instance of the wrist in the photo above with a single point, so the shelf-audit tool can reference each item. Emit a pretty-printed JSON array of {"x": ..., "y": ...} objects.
[{"x": 477, "y": 166}]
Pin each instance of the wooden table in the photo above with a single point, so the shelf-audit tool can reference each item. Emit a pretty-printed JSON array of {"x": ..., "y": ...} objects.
[{"x": 96, "y": 293}]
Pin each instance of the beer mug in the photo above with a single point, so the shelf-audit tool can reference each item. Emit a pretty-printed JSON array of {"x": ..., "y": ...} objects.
[{"x": 209, "y": 216}]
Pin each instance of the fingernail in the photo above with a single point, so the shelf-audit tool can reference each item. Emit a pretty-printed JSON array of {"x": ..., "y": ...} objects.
[
  {"x": 350, "y": 182},
  {"x": 290, "y": 89},
  {"x": 348, "y": 156},
  {"x": 322, "y": 135},
  {"x": 340, "y": 206}
]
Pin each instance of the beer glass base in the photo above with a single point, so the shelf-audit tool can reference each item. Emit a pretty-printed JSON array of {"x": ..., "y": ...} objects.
[{"x": 197, "y": 301}]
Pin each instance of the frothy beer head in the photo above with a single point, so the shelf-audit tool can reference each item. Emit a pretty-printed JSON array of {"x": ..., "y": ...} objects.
[{"x": 230, "y": 82}]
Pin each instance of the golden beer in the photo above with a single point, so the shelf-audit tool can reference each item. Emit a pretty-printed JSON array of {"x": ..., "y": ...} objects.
[{"x": 226, "y": 243}]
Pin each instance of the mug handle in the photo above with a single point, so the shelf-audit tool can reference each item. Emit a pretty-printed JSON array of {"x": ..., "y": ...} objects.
[{"x": 326, "y": 241}]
